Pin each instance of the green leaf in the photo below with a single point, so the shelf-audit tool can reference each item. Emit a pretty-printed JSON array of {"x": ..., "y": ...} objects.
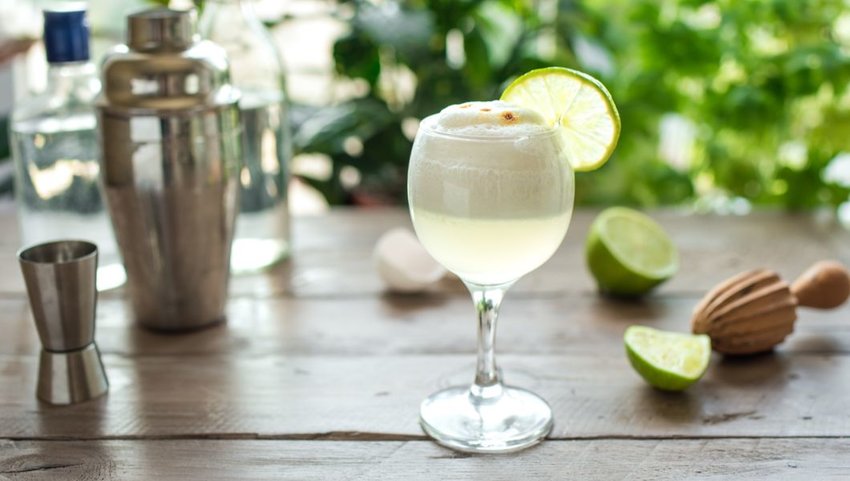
[
  {"x": 327, "y": 129},
  {"x": 500, "y": 28},
  {"x": 405, "y": 29},
  {"x": 477, "y": 68},
  {"x": 356, "y": 56},
  {"x": 5, "y": 147}
]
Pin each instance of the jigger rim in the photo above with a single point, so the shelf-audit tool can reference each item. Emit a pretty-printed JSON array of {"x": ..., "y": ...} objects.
[{"x": 45, "y": 253}]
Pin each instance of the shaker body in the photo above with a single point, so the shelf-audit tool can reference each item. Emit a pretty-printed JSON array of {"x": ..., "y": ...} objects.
[
  {"x": 171, "y": 185},
  {"x": 170, "y": 130}
]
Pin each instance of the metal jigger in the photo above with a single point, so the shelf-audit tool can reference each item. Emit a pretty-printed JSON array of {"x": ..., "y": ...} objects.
[{"x": 60, "y": 278}]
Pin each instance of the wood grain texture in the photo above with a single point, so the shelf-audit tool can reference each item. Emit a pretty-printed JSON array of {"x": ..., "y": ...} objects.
[
  {"x": 383, "y": 325},
  {"x": 333, "y": 253},
  {"x": 613, "y": 460},
  {"x": 301, "y": 396},
  {"x": 319, "y": 373}
]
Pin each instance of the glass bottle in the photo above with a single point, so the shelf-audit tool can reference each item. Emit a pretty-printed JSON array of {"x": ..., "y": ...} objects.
[
  {"x": 262, "y": 227},
  {"x": 54, "y": 147}
]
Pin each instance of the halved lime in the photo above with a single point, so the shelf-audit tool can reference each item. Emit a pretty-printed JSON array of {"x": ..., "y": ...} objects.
[
  {"x": 576, "y": 103},
  {"x": 628, "y": 253},
  {"x": 667, "y": 360}
]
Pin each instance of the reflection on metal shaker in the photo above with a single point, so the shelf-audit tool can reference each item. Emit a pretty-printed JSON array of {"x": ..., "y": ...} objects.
[{"x": 170, "y": 138}]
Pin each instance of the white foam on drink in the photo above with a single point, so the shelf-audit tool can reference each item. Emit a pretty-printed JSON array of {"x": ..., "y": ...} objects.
[
  {"x": 488, "y": 159},
  {"x": 488, "y": 119}
]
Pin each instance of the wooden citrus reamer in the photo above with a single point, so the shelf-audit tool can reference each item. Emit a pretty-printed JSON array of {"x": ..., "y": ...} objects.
[{"x": 755, "y": 310}]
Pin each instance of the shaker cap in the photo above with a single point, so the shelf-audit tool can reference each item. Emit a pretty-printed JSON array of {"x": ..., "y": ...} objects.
[
  {"x": 160, "y": 30},
  {"x": 165, "y": 67},
  {"x": 66, "y": 35}
]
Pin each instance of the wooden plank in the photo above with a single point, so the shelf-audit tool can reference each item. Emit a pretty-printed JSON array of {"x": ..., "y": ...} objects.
[
  {"x": 591, "y": 396},
  {"x": 333, "y": 253},
  {"x": 609, "y": 460},
  {"x": 561, "y": 324},
  {"x": 335, "y": 257}
]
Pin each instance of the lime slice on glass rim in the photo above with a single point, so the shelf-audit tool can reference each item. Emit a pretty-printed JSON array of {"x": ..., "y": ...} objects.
[
  {"x": 667, "y": 360},
  {"x": 575, "y": 103},
  {"x": 628, "y": 253}
]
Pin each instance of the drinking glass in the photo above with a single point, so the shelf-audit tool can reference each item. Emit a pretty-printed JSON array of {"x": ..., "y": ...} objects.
[{"x": 490, "y": 209}]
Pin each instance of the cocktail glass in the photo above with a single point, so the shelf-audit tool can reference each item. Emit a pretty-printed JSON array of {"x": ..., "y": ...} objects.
[{"x": 490, "y": 209}]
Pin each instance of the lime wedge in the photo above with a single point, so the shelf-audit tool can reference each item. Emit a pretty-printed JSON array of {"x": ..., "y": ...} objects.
[
  {"x": 576, "y": 103},
  {"x": 628, "y": 253},
  {"x": 667, "y": 360}
]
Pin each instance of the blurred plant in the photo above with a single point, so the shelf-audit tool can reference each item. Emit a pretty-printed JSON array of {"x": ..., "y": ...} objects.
[
  {"x": 20, "y": 25},
  {"x": 720, "y": 100},
  {"x": 756, "y": 90},
  {"x": 762, "y": 83},
  {"x": 411, "y": 59}
]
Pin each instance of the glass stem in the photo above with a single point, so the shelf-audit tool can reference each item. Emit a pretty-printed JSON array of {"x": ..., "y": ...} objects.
[{"x": 488, "y": 379}]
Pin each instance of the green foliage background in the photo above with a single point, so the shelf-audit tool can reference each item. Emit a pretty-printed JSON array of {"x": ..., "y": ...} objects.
[{"x": 750, "y": 75}]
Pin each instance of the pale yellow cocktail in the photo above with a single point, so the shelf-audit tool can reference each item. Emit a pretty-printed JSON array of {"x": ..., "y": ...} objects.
[{"x": 490, "y": 191}]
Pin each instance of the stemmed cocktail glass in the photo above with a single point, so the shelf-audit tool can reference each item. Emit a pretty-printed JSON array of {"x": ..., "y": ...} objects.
[{"x": 491, "y": 196}]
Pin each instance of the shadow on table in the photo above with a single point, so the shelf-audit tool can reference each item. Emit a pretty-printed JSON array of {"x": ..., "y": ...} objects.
[
  {"x": 675, "y": 407},
  {"x": 410, "y": 303},
  {"x": 760, "y": 373},
  {"x": 751, "y": 371},
  {"x": 817, "y": 343},
  {"x": 650, "y": 311}
]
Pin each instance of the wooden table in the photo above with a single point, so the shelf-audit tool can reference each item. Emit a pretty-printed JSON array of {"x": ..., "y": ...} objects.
[{"x": 318, "y": 374}]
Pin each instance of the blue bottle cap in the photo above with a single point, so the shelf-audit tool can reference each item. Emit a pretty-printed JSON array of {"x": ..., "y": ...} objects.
[{"x": 66, "y": 36}]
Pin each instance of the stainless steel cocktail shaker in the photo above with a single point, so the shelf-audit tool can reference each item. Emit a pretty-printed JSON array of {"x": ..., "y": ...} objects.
[{"x": 169, "y": 132}]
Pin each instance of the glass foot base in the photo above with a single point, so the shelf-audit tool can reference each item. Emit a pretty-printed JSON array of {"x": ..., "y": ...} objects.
[{"x": 511, "y": 420}]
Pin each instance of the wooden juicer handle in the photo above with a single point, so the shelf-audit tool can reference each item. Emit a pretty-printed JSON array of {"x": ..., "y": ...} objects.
[{"x": 824, "y": 285}]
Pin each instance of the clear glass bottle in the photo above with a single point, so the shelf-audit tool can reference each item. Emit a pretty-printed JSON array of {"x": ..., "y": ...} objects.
[
  {"x": 256, "y": 68},
  {"x": 54, "y": 147}
]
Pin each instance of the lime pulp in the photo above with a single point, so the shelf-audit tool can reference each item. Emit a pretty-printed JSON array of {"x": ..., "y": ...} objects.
[{"x": 667, "y": 360}]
